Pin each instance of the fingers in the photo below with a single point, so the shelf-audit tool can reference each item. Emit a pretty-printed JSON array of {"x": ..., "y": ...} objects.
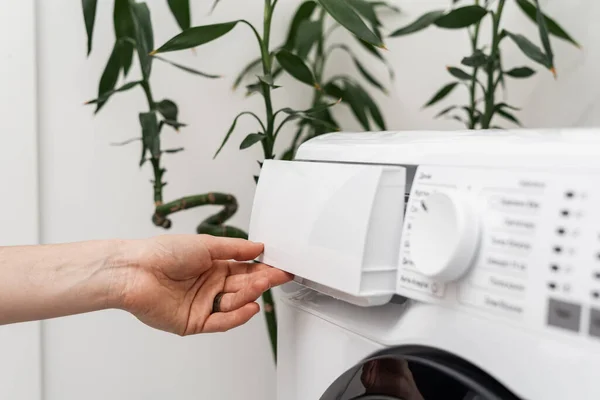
[
  {"x": 221, "y": 322},
  {"x": 239, "y": 280},
  {"x": 222, "y": 248},
  {"x": 248, "y": 294}
]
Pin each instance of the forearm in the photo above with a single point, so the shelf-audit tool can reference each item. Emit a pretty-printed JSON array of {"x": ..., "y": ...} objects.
[{"x": 41, "y": 282}]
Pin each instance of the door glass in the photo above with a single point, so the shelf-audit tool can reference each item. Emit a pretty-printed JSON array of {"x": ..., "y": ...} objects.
[{"x": 395, "y": 378}]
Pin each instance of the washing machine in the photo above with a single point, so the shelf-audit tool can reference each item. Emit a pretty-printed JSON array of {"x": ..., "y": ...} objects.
[{"x": 436, "y": 265}]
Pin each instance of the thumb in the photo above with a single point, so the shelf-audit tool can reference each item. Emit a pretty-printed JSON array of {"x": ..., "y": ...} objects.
[{"x": 223, "y": 248}]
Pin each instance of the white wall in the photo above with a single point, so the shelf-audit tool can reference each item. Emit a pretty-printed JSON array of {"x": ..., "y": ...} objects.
[
  {"x": 90, "y": 190},
  {"x": 20, "y": 369}
]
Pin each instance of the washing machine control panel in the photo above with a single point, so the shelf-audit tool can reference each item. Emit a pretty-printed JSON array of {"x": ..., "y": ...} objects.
[{"x": 522, "y": 246}]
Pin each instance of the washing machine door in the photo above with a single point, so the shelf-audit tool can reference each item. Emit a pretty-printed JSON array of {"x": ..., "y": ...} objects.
[{"x": 416, "y": 373}]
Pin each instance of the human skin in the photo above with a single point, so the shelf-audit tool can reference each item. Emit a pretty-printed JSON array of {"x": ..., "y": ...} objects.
[{"x": 168, "y": 282}]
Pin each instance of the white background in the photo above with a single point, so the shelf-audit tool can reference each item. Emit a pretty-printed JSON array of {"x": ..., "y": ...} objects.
[{"x": 88, "y": 189}]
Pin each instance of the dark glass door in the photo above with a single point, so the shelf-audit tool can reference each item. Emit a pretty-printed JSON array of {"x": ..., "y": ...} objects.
[{"x": 416, "y": 373}]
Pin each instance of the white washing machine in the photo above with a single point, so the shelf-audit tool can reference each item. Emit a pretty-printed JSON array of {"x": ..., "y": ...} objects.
[{"x": 437, "y": 265}]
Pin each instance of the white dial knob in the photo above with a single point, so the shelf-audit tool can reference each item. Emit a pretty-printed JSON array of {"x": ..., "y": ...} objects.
[{"x": 444, "y": 236}]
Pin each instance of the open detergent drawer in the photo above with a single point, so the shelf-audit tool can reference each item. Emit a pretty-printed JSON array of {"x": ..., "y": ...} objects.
[{"x": 336, "y": 227}]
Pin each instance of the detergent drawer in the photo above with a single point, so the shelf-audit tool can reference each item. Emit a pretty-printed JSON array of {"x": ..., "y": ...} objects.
[{"x": 336, "y": 227}]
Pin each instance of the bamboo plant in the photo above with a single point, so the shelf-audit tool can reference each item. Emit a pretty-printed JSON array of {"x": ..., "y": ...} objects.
[
  {"x": 134, "y": 35},
  {"x": 286, "y": 59},
  {"x": 483, "y": 70},
  {"x": 309, "y": 37}
]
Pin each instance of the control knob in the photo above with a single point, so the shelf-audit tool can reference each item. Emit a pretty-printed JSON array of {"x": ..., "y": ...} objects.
[{"x": 445, "y": 235}]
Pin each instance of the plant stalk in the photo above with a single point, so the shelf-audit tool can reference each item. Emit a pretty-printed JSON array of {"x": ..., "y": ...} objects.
[
  {"x": 155, "y": 161},
  {"x": 473, "y": 88},
  {"x": 210, "y": 226},
  {"x": 490, "y": 92},
  {"x": 268, "y": 145}
]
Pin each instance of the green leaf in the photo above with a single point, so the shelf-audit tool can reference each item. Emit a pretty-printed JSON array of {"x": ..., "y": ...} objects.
[
  {"x": 245, "y": 72},
  {"x": 313, "y": 110},
  {"x": 374, "y": 51},
  {"x": 168, "y": 109},
  {"x": 334, "y": 90},
  {"x": 459, "y": 119},
  {"x": 268, "y": 80},
  {"x": 294, "y": 66},
  {"x": 357, "y": 104},
  {"x": 367, "y": 75},
  {"x": 150, "y": 138},
  {"x": 553, "y": 27},
  {"x": 312, "y": 114},
  {"x": 303, "y": 13},
  {"x": 144, "y": 35},
  {"x": 370, "y": 48},
  {"x": 173, "y": 151},
  {"x": 124, "y": 30},
  {"x": 345, "y": 15},
  {"x": 309, "y": 33},
  {"x": 386, "y": 5},
  {"x": 252, "y": 139},
  {"x": 461, "y": 17},
  {"x": 126, "y": 50},
  {"x": 181, "y": 11},
  {"x": 520, "y": 72},
  {"x": 288, "y": 155},
  {"x": 458, "y": 73},
  {"x": 421, "y": 23},
  {"x": 122, "y": 20},
  {"x": 442, "y": 93},
  {"x": 126, "y": 142},
  {"x": 372, "y": 107},
  {"x": 196, "y": 36},
  {"x": 504, "y": 105},
  {"x": 543, "y": 28},
  {"x": 253, "y": 88},
  {"x": 445, "y": 111},
  {"x": 174, "y": 124},
  {"x": 105, "y": 96},
  {"x": 478, "y": 59},
  {"x": 366, "y": 10},
  {"x": 89, "y": 17},
  {"x": 109, "y": 78},
  {"x": 530, "y": 49},
  {"x": 215, "y": 4},
  {"x": 508, "y": 116},
  {"x": 316, "y": 121},
  {"x": 231, "y": 129},
  {"x": 188, "y": 69},
  {"x": 325, "y": 124}
]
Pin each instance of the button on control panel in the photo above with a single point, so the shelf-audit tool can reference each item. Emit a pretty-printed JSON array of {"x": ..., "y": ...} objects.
[
  {"x": 519, "y": 245},
  {"x": 564, "y": 315}
]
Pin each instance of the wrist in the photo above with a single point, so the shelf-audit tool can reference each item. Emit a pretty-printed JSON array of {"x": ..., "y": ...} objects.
[{"x": 118, "y": 272}]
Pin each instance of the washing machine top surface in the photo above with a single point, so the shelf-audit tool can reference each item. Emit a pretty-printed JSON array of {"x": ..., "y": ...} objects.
[{"x": 529, "y": 148}]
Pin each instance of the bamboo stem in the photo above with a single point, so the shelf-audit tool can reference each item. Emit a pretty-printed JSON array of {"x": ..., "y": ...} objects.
[
  {"x": 268, "y": 146},
  {"x": 490, "y": 93},
  {"x": 473, "y": 88}
]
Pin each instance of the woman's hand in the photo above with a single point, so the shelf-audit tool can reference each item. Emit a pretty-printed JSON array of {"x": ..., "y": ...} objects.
[{"x": 174, "y": 279}]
